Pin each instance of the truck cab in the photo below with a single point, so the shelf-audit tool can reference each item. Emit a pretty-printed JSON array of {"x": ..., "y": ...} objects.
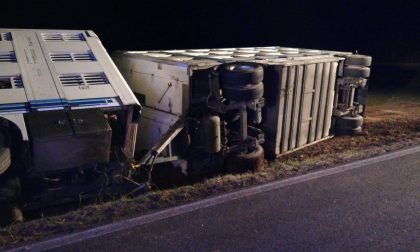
[{"x": 64, "y": 109}]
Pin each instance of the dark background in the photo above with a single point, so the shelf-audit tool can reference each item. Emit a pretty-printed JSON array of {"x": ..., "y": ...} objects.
[{"x": 387, "y": 30}]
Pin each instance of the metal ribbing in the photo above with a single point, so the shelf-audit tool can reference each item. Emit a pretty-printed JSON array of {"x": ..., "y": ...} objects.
[{"x": 312, "y": 125}]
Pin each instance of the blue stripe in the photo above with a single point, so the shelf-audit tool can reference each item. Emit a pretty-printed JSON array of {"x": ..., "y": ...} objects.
[
  {"x": 13, "y": 107},
  {"x": 47, "y": 102},
  {"x": 90, "y": 101},
  {"x": 55, "y": 103}
]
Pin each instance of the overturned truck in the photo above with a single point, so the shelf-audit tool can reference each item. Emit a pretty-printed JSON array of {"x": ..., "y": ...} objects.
[
  {"x": 214, "y": 110},
  {"x": 70, "y": 124}
]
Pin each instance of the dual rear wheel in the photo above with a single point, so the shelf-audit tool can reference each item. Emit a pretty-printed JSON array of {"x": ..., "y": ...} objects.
[
  {"x": 242, "y": 82},
  {"x": 244, "y": 162},
  {"x": 357, "y": 66},
  {"x": 349, "y": 125}
]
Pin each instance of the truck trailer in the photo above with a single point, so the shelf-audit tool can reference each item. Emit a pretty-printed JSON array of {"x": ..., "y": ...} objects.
[{"x": 220, "y": 109}]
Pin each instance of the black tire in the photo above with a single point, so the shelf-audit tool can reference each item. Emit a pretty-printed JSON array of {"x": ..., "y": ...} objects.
[
  {"x": 349, "y": 132},
  {"x": 243, "y": 93},
  {"x": 240, "y": 163},
  {"x": 241, "y": 73},
  {"x": 350, "y": 122},
  {"x": 358, "y": 60},
  {"x": 347, "y": 125},
  {"x": 356, "y": 71},
  {"x": 5, "y": 156}
]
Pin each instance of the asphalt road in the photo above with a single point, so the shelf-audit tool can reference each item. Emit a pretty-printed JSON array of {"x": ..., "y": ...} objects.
[{"x": 372, "y": 208}]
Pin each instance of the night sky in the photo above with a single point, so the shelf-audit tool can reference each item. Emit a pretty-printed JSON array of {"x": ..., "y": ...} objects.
[{"x": 384, "y": 29}]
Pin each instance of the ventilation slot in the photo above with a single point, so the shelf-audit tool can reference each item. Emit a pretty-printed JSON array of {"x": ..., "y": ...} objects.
[
  {"x": 96, "y": 79},
  {"x": 7, "y": 57},
  {"x": 5, "y": 83},
  {"x": 71, "y": 80},
  {"x": 84, "y": 79},
  {"x": 61, "y": 57},
  {"x": 73, "y": 37},
  {"x": 52, "y": 37},
  {"x": 63, "y": 37},
  {"x": 88, "y": 56},
  {"x": 17, "y": 82},
  {"x": 8, "y": 82},
  {"x": 72, "y": 57},
  {"x": 6, "y": 36}
]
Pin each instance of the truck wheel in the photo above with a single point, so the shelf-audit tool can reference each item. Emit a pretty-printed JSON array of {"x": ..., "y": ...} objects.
[
  {"x": 239, "y": 163},
  {"x": 358, "y": 60},
  {"x": 241, "y": 73},
  {"x": 5, "y": 157},
  {"x": 356, "y": 71},
  {"x": 243, "y": 93},
  {"x": 350, "y": 122},
  {"x": 348, "y": 132},
  {"x": 348, "y": 125}
]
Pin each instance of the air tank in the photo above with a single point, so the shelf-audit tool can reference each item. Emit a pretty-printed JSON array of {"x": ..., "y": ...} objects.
[{"x": 210, "y": 136}]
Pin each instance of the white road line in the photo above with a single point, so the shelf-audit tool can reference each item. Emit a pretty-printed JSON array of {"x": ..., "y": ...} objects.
[{"x": 171, "y": 212}]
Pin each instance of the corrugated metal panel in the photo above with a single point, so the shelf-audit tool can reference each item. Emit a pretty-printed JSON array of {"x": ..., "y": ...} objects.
[{"x": 299, "y": 110}]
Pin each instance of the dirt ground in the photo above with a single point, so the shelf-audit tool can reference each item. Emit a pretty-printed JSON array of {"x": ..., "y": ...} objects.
[{"x": 389, "y": 125}]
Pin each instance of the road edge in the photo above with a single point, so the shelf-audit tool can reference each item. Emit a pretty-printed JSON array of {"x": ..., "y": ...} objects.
[{"x": 122, "y": 225}]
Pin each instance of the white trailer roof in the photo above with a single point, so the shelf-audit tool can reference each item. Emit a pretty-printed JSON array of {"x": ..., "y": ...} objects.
[
  {"x": 41, "y": 69},
  {"x": 197, "y": 58}
]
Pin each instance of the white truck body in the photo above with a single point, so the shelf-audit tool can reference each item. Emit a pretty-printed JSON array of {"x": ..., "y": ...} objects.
[
  {"x": 43, "y": 70},
  {"x": 163, "y": 81}
]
